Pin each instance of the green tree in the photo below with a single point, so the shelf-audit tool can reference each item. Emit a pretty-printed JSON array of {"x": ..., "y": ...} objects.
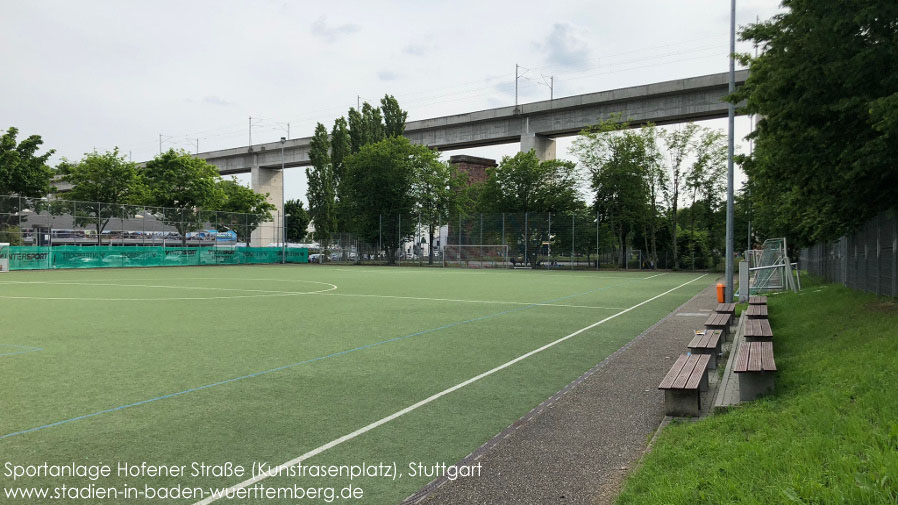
[
  {"x": 825, "y": 91},
  {"x": 242, "y": 210},
  {"x": 679, "y": 144},
  {"x": 186, "y": 187},
  {"x": 625, "y": 178},
  {"x": 298, "y": 220},
  {"x": 379, "y": 185},
  {"x": 23, "y": 174},
  {"x": 704, "y": 182},
  {"x": 320, "y": 190},
  {"x": 341, "y": 148},
  {"x": 373, "y": 123},
  {"x": 104, "y": 186},
  {"x": 523, "y": 183},
  {"x": 357, "y": 131},
  {"x": 433, "y": 192},
  {"x": 394, "y": 116},
  {"x": 22, "y": 171}
]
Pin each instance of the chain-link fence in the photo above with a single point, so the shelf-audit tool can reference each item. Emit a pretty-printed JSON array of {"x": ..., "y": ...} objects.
[
  {"x": 500, "y": 240},
  {"x": 60, "y": 233},
  {"x": 71, "y": 234},
  {"x": 866, "y": 260}
]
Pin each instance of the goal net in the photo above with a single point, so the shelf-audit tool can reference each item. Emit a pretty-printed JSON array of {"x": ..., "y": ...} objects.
[{"x": 477, "y": 256}]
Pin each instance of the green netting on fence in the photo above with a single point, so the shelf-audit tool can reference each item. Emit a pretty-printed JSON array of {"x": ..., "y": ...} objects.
[{"x": 42, "y": 258}]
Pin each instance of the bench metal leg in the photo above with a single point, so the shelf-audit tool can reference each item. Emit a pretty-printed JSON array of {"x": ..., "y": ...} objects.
[
  {"x": 754, "y": 384},
  {"x": 682, "y": 402}
]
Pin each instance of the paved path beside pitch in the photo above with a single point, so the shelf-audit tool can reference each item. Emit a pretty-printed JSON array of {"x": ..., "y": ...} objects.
[{"x": 577, "y": 447}]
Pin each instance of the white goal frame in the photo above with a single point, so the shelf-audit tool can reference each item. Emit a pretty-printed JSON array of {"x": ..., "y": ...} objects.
[{"x": 476, "y": 255}]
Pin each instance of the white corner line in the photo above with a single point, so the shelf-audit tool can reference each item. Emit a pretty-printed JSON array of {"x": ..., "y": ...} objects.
[
  {"x": 361, "y": 431},
  {"x": 656, "y": 275}
]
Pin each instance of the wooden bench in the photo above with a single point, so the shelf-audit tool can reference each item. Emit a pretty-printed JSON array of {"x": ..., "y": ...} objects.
[
  {"x": 726, "y": 308},
  {"x": 755, "y": 366},
  {"x": 756, "y": 312},
  {"x": 758, "y": 330},
  {"x": 718, "y": 322},
  {"x": 707, "y": 342},
  {"x": 757, "y": 300},
  {"x": 684, "y": 383}
]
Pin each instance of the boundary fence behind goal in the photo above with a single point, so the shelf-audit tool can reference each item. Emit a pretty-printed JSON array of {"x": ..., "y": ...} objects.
[{"x": 866, "y": 260}]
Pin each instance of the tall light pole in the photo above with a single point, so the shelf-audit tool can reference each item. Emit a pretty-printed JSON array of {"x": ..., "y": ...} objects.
[
  {"x": 731, "y": 113},
  {"x": 283, "y": 210}
]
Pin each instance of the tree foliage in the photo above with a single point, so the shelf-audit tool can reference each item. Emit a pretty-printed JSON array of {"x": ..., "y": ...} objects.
[
  {"x": 243, "y": 209},
  {"x": 298, "y": 220},
  {"x": 825, "y": 89},
  {"x": 321, "y": 191},
  {"x": 23, "y": 172},
  {"x": 523, "y": 183},
  {"x": 379, "y": 185},
  {"x": 186, "y": 186},
  {"x": 623, "y": 165},
  {"x": 394, "y": 116},
  {"x": 104, "y": 186}
]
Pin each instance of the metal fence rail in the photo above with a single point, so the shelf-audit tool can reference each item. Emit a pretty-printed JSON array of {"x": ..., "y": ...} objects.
[{"x": 866, "y": 260}]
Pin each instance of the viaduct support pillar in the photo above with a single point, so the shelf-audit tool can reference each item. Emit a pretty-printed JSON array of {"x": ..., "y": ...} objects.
[
  {"x": 544, "y": 146},
  {"x": 267, "y": 180}
]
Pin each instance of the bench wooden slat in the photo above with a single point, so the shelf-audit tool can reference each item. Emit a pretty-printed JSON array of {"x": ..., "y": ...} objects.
[
  {"x": 756, "y": 311},
  {"x": 698, "y": 340},
  {"x": 754, "y": 357},
  {"x": 758, "y": 328},
  {"x": 741, "y": 364},
  {"x": 686, "y": 372},
  {"x": 714, "y": 338},
  {"x": 725, "y": 308},
  {"x": 757, "y": 300},
  {"x": 767, "y": 362},
  {"x": 701, "y": 366},
  {"x": 718, "y": 320},
  {"x": 673, "y": 373}
]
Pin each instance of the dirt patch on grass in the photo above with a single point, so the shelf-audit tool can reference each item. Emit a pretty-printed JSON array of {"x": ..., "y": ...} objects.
[{"x": 884, "y": 306}]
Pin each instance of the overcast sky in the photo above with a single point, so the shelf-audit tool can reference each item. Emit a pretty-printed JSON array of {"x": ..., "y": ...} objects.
[{"x": 98, "y": 74}]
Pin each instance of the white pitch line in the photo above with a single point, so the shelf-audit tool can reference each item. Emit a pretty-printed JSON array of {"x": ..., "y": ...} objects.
[
  {"x": 361, "y": 431},
  {"x": 487, "y": 302},
  {"x": 656, "y": 275}
]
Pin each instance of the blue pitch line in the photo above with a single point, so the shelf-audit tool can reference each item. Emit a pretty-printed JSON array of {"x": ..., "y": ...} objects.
[
  {"x": 25, "y": 347},
  {"x": 291, "y": 365}
]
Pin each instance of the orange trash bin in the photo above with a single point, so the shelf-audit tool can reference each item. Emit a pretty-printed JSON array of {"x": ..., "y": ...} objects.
[{"x": 720, "y": 288}]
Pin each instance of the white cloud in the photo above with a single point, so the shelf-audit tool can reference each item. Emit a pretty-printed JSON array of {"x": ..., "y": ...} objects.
[
  {"x": 566, "y": 46},
  {"x": 321, "y": 29}
]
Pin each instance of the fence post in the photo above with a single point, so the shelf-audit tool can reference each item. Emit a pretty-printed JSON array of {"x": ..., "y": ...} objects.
[
  {"x": 399, "y": 238},
  {"x": 458, "y": 246},
  {"x": 481, "y": 240},
  {"x": 573, "y": 223},
  {"x": 597, "y": 240},
  {"x": 894, "y": 256},
  {"x": 526, "y": 239},
  {"x": 503, "y": 241}
]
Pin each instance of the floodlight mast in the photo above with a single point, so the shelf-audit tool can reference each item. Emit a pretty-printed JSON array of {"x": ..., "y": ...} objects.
[{"x": 731, "y": 112}]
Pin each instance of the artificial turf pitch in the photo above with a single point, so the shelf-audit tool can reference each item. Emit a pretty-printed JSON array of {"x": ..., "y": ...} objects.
[{"x": 248, "y": 364}]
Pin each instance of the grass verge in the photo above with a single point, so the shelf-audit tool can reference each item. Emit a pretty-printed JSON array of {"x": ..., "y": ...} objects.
[{"x": 828, "y": 435}]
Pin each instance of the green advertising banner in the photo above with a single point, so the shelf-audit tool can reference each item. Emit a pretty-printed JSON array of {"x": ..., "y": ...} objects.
[{"x": 42, "y": 258}]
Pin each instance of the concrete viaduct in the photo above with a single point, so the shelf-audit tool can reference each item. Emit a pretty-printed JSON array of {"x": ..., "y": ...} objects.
[{"x": 535, "y": 125}]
